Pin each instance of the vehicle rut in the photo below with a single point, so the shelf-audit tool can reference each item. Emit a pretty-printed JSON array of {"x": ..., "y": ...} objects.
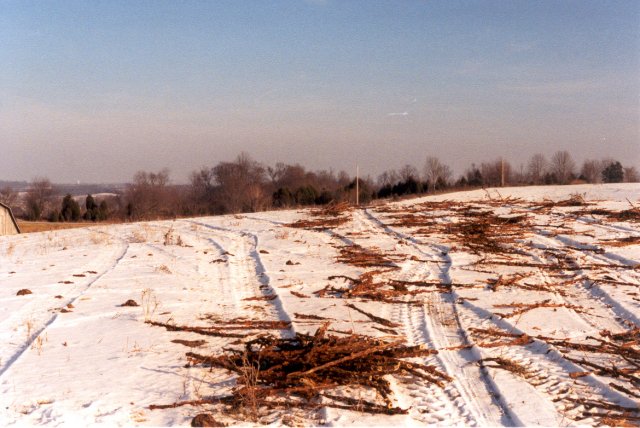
[
  {"x": 40, "y": 330},
  {"x": 470, "y": 396}
]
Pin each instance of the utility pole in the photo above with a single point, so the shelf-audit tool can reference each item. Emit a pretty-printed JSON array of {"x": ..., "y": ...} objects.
[
  {"x": 501, "y": 172},
  {"x": 357, "y": 185}
]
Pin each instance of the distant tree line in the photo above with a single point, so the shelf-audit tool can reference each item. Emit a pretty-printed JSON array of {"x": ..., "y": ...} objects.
[
  {"x": 560, "y": 169},
  {"x": 246, "y": 185}
]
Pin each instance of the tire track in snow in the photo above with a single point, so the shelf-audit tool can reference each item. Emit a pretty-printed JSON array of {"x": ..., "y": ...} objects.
[
  {"x": 553, "y": 388},
  {"x": 214, "y": 267},
  {"x": 595, "y": 292},
  {"x": 598, "y": 223},
  {"x": 39, "y": 331},
  {"x": 245, "y": 263},
  {"x": 550, "y": 375},
  {"x": 549, "y": 389},
  {"x": 434, "y": 405},
  {"x": 547, "y": 372},
  {"x": 593, "y": 322},
  {"x": 470, "y": 396},
  {"x": 430, "y": 403}
]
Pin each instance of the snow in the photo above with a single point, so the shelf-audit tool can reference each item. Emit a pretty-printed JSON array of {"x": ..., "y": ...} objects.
[{"x": 98, "y": 363}]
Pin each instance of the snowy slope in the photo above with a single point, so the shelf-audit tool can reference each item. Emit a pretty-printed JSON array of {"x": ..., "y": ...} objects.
[{"x": 527, "y": 320}]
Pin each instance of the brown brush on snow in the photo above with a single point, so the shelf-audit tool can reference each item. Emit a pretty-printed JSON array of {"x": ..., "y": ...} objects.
[
  {"x": 504, "y": 364},
  {"x": 223, "y": 328},
  {"x": 486, "y": 338},
  {"x": 521, "y": 308},
  {"x": 364, "y": 257},
  {"x": 622, "y": 351},
  {"x": 329, "y": 217},
  {"x": 632, "y": 214},
  {"x": 306, "y": 371},
  {"x": 366, "y": 287}
]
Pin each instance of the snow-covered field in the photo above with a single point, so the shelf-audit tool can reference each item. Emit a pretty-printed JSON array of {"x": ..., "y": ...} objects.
[{"x": 533, "y": 307}]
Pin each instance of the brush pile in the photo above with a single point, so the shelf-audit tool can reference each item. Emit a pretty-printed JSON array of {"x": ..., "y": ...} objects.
[
  {"x": 368, "y": 287},
  {"x": 483, "y": 232},
  {"x": 302, "y": 371},
  {"x": 359, "y": 256},
  {"x": 333, "y": 215},
  {"x": 575, "y": 200},
  {"x": 632, "y": 214},
  {"x": 473, "y": 227}
]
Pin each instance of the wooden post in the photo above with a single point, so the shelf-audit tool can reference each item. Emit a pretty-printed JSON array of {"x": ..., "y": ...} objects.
[{"x": 357, "y": 185}]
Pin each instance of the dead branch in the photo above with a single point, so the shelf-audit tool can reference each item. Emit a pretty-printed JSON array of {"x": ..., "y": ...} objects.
[
  {"x": 205, "y": 331},
  {"x": 374, "y": 318}
]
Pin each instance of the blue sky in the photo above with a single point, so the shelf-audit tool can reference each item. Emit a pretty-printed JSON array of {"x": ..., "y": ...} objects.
[{"x": 96, "y": 90}]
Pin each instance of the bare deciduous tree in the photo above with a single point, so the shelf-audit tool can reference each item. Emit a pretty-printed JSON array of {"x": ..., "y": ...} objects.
[
  {"x": 326, "y": 180},
  {"x": 388, "y": 178},
  {"x": 562, "y": 167},
  {"x": 591, "y": 171},
  {"x": 39, "y": 197},
  {"x": 631, "y": 175},
  {"x": 492, "y": 172},
  {"x": 150, "y": 196},
  {"x": 343, "y": 179},
  {"x": 536, "y": 168},
  {"x": 291, "y": 176},
  {"x": 202, "y": 191},
  {"x": 437, "y": 174},
  {"x": 8, "y": 196},
  {"x": 241, "y": 184},
  {"x": 408, "y": 173}
]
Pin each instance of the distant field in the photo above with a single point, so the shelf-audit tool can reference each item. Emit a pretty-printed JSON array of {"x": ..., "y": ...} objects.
[{"x": 45, "y": 226}]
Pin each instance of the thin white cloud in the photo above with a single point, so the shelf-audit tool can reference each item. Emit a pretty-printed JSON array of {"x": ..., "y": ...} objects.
[{"x": 408, "y": 105}]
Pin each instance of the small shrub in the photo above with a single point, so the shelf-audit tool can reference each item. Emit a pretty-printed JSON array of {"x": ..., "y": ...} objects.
[{"x": 149, "y": 303}]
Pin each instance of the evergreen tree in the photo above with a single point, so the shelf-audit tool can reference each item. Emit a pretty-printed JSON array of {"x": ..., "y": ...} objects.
[
  {"x": 306, "y": 195},
  {"x": 70, "y": 210},
  {"x": 282, "y": 197},
  {"x": 103, "y": 211},
  {"x": 92, "y": 209},
  {"x": 324, "y": 198},
  {"x": 90, "y": 203},
  {"x": 54, "y": 216},
  {"x": 614, "y": 173}
]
